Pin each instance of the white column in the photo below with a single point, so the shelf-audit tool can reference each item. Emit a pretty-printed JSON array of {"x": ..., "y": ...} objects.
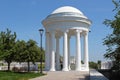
[
  {"x": 65, "y": 52},
  {"x": 52, "y": 63},
  {"x": 57, "y": 54},
  {"x": 49, "y": 51},
  {"x": 86, "y": 62},
  {"x": 78, "y": 51},
  {"x": 69, "y": 53},
  {"x": 47, "y": 54}
]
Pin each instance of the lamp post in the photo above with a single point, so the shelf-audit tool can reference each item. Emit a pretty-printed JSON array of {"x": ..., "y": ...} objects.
[{"x": 41, "y": 33}]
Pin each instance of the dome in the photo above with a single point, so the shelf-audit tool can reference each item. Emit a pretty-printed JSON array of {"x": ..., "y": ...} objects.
[
  {"x": 67, "y": 9},
  {"x": 66, "y": 14}
]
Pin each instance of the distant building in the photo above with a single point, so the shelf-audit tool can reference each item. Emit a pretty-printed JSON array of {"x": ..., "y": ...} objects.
[
  {"x": 106, "y": 65},
  {"x": 72, "y": 60}
]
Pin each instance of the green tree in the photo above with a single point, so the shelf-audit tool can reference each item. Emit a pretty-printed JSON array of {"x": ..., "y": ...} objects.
[
  {"x": 7, "y": 42},
  {"x": 32, "y": 52},
  {"x": 93, "y": 65},
  {"x": 27, "y": 52},
  {"x": 20, "y": 48},
  {"x": 112, "y": 41},
  {"x": 99, "y": 64}
]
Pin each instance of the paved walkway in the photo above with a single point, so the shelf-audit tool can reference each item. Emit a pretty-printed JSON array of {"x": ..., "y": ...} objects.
[
  {"x": 60, "y": 75},
  {"x": 72, "y": 75},
  {"x": 95, "y": 75}
]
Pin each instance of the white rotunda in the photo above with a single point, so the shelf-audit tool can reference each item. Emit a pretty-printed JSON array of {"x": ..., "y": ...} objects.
[{"x": 65, "y": 22}]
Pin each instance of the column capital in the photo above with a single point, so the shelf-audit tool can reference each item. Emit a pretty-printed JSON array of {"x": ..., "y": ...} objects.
[
  {"x": 77, "y": 30},
  {"x": 65, "y": 30},
  {"x": 85, "y": 33}
]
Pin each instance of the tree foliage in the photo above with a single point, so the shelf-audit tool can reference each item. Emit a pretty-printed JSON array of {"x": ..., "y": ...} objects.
[
  {"x": 7, "y": 43},
  {"x": 93, "y": 65},
  {"x": 20, "y": 48},
  {"x": 19, "y": 51},
  {"x": 32, "y": 52},
  {"x": 27, "y": 52},
  {"x": 112, "y": 41},
  {"x": 99, "y": 64}
]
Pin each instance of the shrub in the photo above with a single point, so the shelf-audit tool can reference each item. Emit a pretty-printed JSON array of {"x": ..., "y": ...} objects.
[{"x": 15, "y": 69}]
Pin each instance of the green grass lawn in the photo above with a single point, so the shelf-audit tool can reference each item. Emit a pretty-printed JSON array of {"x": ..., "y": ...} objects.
[{"x": 4, "y": 75}]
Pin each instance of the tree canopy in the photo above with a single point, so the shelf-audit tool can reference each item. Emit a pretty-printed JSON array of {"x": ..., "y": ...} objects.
[
  {"x": 7, "y": 43},
  {"x": 18, "y": 50},
  {"x": 112, "y": 41}
]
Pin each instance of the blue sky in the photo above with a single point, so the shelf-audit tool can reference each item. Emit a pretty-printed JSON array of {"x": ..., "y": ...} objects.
[{"x": 25, "y": 16}]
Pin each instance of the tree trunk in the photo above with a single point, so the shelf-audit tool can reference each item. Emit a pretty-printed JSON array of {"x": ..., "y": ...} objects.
[
  {"x": 8, "y": 66},
  {"x": 28, "y": 66}
]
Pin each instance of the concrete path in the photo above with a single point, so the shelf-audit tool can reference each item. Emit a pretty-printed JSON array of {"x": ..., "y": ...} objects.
[
  {"x": 95, "y": 75},
  {"x": 60, "y": 75}
]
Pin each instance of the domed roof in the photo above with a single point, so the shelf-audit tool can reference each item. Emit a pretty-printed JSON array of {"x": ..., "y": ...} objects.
[
  {"x": 66, "y": 16},
  {"x": 67, "y": 9}
]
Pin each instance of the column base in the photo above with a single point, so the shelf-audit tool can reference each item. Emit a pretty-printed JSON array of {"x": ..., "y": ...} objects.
[
  {"x": 84, "y": 69},
  {"x": 69, "y": 68},
  {"x": 65, "y": 69},
  {"x": 78, "y": 69},
  {"x": 87, "y": 69},
  {"x": 52, "y": 69}
]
